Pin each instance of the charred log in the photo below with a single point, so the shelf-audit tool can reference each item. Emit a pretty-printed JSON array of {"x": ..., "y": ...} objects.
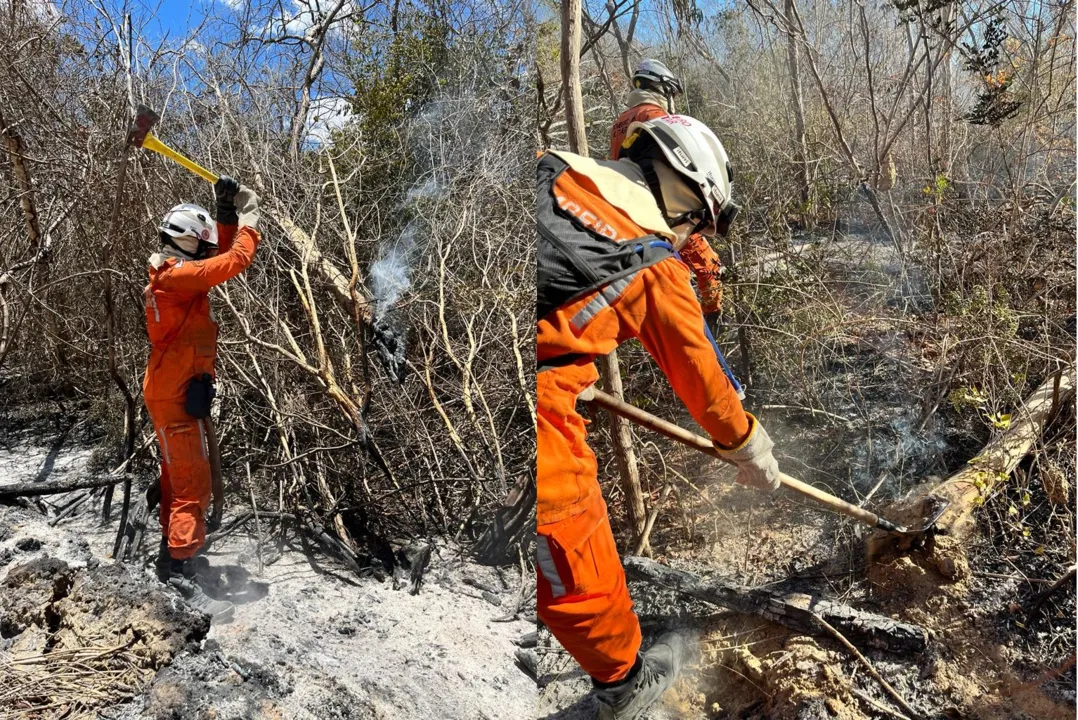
[
  {"x": 512, "y": 527},
  {"x": 390, "y": 342},
  {"x": 795, "y": 611}
]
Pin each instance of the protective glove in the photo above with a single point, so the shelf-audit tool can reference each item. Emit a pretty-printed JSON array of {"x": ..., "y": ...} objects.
[
  {"x": 247, "y": 207},
  {"x": 224, "y": 195},
  {"x": 153, "y": 494},
  {"x": 756, "y": 466}
]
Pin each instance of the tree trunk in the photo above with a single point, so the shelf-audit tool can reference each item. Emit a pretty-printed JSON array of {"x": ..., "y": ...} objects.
[
  {"x": 620, "y": 433},
  {"x": 26, "y": 489},
  {"x": 513, "y": 525},
  {"x": 797, "y": 100},
  {"x": 1001, "y": 456}
]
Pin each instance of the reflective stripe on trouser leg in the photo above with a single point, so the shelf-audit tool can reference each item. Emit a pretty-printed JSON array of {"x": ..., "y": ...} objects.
[
  {"x": 594, "y": 619},
  {"x": 547, "y": 567},
  {"x": 202, "y": 439},
  {"x": 606, "y": 297},
  {"x": 188, "y": 488}
]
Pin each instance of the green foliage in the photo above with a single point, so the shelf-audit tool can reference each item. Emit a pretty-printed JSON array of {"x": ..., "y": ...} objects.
[
  {"x": 983, "y": 311},
  {"x": 937, "y": 189},
  {"x": 396, "y": 75},
  {"x": 967, "y": 398}
]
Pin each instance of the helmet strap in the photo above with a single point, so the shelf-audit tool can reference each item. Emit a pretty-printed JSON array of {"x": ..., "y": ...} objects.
[
  {"x": 668, "y": 93},
  {"x": 204, "y": 249},
  {"x": 647, "y": 166}
]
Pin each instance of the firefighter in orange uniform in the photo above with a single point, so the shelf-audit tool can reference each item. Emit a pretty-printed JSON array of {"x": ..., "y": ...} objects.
[
  {"x": 608, "y": 271},
  {"x": 196, "y": 254},
  {"x": 653, "y": 94}
]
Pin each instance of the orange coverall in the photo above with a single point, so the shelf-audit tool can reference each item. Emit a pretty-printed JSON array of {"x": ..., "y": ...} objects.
[
  {"x": 582, "y": 594},
  {"x": 697, "y": 252},
  {"x": 183, "y": 338}
]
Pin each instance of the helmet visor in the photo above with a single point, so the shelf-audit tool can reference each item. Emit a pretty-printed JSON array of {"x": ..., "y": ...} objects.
[{"x": 726, "y": 219}]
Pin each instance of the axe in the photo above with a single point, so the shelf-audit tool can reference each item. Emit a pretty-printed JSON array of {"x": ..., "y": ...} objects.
[{"x": 140, "y": 136}]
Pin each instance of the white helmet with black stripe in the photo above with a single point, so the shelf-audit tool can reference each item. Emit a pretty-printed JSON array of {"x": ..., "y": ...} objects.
[
  {"x": 190, "y": 229},
  {"x": 689, "y": 148},
  {"x": 654, "y": 75}
]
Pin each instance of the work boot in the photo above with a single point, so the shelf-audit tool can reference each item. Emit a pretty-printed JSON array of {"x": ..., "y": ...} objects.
[
  {"x": 653, "y": 675},
  {"x": 218, "y": 610}
]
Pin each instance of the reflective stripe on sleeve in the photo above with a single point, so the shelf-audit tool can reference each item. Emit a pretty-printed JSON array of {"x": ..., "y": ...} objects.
[{"x": 608, "y": 294}]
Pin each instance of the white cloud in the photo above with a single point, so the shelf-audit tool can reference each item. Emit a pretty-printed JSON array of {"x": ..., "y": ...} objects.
[
  {"x": 302, "y": 15},
  {"x": 326, "y": 115},
  {"x": 43, "y": 10}
]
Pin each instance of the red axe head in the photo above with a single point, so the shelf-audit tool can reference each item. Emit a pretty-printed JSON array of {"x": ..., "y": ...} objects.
[{"x": 145, "y": 119}]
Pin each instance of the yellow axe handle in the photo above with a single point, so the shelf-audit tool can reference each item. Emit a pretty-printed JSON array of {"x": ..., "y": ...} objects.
[{"x": 152, "y": 143}]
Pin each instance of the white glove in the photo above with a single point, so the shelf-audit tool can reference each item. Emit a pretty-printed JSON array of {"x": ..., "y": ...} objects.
[
  {"x": 247, "y": 207},
  {"x": 756, "y": 466}
]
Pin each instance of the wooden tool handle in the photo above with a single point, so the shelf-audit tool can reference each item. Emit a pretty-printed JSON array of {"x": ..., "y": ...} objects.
[{"x": 683, "y": 436}]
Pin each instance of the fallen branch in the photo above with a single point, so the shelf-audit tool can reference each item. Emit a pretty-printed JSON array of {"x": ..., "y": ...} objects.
[
  {"x": 868, "y": 666},
  {"x": 970, "y": 486},
  {"x": 795, "y": 611},
  {"x": 60, "y": 486},
  {"x": 1066, "y": 579}
]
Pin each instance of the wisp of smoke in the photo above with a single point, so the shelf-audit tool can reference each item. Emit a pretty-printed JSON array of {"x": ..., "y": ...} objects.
[{"x": 391, "y": 273}]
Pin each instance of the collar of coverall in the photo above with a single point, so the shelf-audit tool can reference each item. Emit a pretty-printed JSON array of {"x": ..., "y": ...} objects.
[
  {"x": 630, "y": 197},
  {"x": 641, "y": 96}
]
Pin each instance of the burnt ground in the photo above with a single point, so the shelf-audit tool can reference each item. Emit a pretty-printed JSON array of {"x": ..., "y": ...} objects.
[
  {"x": 95, "y": 638},
  {"x": 990, "y": 656}
]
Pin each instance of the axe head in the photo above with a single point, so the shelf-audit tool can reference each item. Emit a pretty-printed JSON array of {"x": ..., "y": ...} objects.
[{"x": 145, "y": 119}]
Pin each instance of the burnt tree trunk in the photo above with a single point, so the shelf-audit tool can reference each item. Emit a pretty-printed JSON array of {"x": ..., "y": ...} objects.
[
  {"x": 513, "y": 526},
  {"x": 795, "y": 611},
  {"x": 60, "y": 486}
]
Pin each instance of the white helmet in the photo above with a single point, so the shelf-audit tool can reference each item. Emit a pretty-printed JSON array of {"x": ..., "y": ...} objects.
[
  {"x": 652, "y": 74},
  {"x": 690, "y": 149},
  {"x": 190, "y": 229}
]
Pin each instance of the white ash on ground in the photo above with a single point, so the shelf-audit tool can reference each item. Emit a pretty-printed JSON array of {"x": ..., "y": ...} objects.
[{"x": 308, "y": 639}]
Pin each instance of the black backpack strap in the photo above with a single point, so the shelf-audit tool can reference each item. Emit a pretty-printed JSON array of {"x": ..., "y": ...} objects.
[{"x": 573, "y": 259}]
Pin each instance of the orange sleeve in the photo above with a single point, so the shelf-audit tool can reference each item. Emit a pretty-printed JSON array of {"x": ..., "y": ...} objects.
[
  {"x": 706, "y": 266},
  {"x": 661, "y": 310},
  {"x": 201, "y": 275},
  {"x": 225, "y": 235}
]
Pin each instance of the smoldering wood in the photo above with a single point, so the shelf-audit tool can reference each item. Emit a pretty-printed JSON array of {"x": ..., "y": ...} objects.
[{"x": 795, "y": 610}]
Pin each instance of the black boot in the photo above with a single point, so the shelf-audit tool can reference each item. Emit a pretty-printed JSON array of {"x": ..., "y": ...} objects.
[
  {"x": 218, "y": 610},
  {"x": 654, "y": 673}
]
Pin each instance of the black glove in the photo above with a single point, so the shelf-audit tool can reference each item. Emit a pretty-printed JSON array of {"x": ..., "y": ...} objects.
[
  {"x": 153, "y": 494},
  {"x": 714, "y": 324},
  {"x": 224, "y": 194}
]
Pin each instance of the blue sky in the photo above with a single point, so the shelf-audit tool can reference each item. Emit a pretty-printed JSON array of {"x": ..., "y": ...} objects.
[{"x": 177, "y": 18}]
